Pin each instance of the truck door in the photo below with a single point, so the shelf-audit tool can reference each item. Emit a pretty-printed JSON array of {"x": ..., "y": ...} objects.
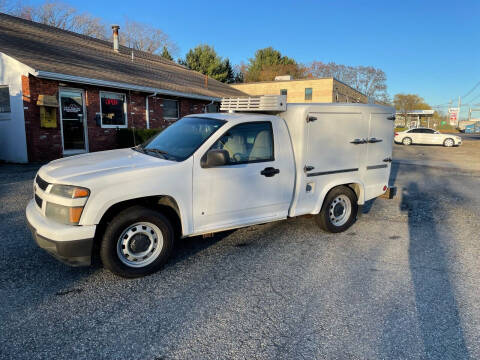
[
  {"x": 379, "y": 154},
  {"x": 257, "y": 183}
]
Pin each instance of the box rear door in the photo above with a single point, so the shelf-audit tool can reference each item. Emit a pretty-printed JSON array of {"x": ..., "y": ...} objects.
[{"x": 379, "y": 154}]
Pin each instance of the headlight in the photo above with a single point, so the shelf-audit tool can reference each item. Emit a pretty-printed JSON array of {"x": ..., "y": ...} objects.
[
  {"x": 70, "y": 191},
  {"x": 64, "y": 214}
]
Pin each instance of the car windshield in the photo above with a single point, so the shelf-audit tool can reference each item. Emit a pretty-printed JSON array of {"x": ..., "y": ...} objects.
[{"x": 181, "y": 139}]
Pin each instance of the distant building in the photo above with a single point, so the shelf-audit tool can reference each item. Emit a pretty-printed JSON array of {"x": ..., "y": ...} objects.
[
  {"x": 415, "y": 118},
  {"x": 324, "y": 90},
  {"x": 63, "y": 93}
]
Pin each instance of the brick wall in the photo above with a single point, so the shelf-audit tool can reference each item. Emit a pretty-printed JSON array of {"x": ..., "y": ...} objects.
[
  {"x": 42, "y": 144},
  {"x": 46, "y": 144}
]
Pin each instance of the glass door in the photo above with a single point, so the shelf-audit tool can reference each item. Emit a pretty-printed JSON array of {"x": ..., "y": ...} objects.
[{"x": 72, "y": 116}]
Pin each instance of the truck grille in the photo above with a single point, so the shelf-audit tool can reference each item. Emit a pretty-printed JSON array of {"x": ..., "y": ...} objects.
[
  {"x": 38, "y": 201},
  {"x": 42, "y": 184}
]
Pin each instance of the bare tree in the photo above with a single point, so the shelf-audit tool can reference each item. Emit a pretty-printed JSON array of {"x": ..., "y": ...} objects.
[
  {"x": 366, "y": 79},
  {"x": 58, "y": 14},
  {"x": 405, "y": 103},
  {"x": 147, "y": 38}
]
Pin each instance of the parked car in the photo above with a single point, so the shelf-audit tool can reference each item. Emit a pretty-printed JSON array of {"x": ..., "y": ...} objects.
[
  {"x": 426, "y": 136},
  {"x": 212, "y": 172}
]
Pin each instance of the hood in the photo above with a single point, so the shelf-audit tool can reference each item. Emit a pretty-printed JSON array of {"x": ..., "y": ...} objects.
[{"x": 101, "y": 163}]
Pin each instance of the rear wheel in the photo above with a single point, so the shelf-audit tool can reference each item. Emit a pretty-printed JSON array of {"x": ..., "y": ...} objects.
[
  {"x": 137, "y": 242},
  {"x": 448, "y": 142},
  {"x": 339, "y": 210},
  {"x": 407, "y": 141}
]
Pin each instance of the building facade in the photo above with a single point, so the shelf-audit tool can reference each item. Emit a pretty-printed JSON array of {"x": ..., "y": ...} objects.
[
  {"x": 325, "y": 90},
  {"x": 63, "y": 93}
]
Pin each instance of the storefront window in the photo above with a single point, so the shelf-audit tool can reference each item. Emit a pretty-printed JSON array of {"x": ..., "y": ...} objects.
[
  {"x": 4, "y": 99},
  {"x": 170, "y": 109},
  {"x": 113, "y": 109}
]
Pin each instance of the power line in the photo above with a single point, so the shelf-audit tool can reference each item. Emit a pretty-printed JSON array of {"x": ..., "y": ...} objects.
[{"x": 471, "y": 90}]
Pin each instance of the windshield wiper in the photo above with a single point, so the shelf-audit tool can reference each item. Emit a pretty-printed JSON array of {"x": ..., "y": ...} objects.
[{"x": 158, "y": 151}]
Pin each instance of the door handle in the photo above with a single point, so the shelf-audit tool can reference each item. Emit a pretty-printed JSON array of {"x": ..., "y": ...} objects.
[
  {"x": 269, "y": 172},
  {"x": 308, "y": 168},
  {"x": 374, "y": 140},
  {"x": 387, "y": 159},
  {"x": 358, "y": 141}
]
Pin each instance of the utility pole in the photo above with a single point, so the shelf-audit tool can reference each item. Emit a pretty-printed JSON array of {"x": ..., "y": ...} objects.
[{"x": 458, "y": 114}]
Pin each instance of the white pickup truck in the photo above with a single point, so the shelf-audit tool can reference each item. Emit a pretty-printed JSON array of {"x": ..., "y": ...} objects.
[{"x": 212, "y": 172}]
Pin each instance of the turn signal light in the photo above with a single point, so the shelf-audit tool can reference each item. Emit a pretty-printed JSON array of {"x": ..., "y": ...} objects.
[
  {"x": 75, "y": 213},
  {"x": 80, "y": 193}
]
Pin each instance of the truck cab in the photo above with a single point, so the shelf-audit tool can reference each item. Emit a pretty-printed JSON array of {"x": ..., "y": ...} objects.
[{"x": 208, "y": 173}]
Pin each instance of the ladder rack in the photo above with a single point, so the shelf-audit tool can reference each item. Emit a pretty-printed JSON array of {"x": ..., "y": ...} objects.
[{"x": 274, "y": 103}]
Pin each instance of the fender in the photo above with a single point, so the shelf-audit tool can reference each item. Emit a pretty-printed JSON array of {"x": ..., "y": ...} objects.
[{"x": 337, "y": 182}]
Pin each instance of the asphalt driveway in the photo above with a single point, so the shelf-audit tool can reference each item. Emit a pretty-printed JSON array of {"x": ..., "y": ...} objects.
[{"x": 403, "y": 282}]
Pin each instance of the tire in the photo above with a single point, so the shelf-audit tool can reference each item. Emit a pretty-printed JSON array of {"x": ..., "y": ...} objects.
[
  {"x": 448, "y": 142},
  {"x": 137, "y": 242},
  {"x": 407, "y": 141},
  {"x": 330, "y": 218}
]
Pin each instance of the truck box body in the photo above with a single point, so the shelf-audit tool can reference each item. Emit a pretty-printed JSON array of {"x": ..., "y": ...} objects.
[{"x": 328, "y": 145}]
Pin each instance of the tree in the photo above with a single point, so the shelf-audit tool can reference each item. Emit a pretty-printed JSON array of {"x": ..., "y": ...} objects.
[
  {"x": 144, "y": 37},
  {"x": 404, "y": 103},
  {"x": 268, "y": 63},
  {"x": 60, "y": 15},
  {"x": 366, "y": 79},
  {"x": 165, "y": 54},
  {"x": 205, "y": 60}
]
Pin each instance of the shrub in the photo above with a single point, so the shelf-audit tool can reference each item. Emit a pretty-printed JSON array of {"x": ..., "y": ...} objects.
[{"x": 125, "y": 137}]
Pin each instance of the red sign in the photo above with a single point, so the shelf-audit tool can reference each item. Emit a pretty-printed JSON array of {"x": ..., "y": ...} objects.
[{"x": 111, "y": 101}]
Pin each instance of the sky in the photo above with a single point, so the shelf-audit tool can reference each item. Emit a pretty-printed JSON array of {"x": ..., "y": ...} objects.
[{"x": 429, "y": 48}]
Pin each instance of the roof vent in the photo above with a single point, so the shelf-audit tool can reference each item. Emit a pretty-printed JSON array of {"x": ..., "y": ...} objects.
[
  {"x": 255, "y": 103},
  {"x": 115, "y": 37}
]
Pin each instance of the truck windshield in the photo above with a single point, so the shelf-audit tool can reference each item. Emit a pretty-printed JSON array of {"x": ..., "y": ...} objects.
[{"x": 181, "y": 139}]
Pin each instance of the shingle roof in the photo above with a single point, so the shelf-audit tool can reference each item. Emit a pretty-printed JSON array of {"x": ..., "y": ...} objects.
[{"x": 49, "y": 49}]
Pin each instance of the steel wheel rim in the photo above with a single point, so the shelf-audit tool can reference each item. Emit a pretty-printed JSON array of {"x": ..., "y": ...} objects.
[
  {"x": 145, "y": 233},
  {"x": 449, "y": 142},
  {"x": 340, "y": 210}
]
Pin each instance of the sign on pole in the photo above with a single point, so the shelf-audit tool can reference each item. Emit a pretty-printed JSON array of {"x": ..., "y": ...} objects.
[{"x": 453, "y": 116}]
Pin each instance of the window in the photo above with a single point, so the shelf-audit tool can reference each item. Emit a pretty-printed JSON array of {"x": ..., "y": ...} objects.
[
  {"x": 4, "y": 99},
  {"x": 248, "y": 143},
  {"x": 212, "y": 108},
  {"x": 113, "y": 107},
  {"x": 283, "y": 92},
  {"x": 308, "y": 93},
  {"x": 429, "y": 131},
  {"x": 181, "y": 139},
  {"x": 170, "y": 109}
]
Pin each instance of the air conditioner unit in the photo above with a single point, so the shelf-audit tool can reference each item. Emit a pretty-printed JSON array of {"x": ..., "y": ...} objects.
[{"x": 265, "y": 103}]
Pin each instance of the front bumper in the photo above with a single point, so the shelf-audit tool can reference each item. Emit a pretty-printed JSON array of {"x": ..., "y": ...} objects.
[{"x": 69, "y": 244}]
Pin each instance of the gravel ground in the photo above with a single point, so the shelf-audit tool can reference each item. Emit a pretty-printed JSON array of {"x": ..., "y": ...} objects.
[{"x": 403, "y": 282}]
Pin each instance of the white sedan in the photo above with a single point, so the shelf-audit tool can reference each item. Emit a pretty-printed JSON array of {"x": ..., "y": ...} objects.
[{"x": 426, "y": 136}]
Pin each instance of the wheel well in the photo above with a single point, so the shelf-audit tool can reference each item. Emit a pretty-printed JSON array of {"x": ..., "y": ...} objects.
[
  {"x": 357, "y": 189},
  {"x": 162, "y": 203}
]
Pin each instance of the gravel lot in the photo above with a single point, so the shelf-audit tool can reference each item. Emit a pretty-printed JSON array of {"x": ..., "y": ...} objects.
[{"x": 403, "y": 282}]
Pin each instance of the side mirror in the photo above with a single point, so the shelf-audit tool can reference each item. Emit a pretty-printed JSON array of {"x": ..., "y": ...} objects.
[{"x": 215, "y": 157}]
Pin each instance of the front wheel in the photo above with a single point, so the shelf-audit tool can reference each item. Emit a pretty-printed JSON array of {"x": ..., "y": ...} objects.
[
  {"x": 137, "y": 242},
  {"x": 339, "y": 210}
]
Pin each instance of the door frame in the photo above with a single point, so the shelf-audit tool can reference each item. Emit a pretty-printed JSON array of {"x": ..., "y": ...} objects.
[{"x": 85, "y": 120}]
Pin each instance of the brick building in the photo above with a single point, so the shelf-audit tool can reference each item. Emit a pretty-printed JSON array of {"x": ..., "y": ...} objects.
[
  {"x": 62, "y": 93},
  {"x": 324, "y": 90}
]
